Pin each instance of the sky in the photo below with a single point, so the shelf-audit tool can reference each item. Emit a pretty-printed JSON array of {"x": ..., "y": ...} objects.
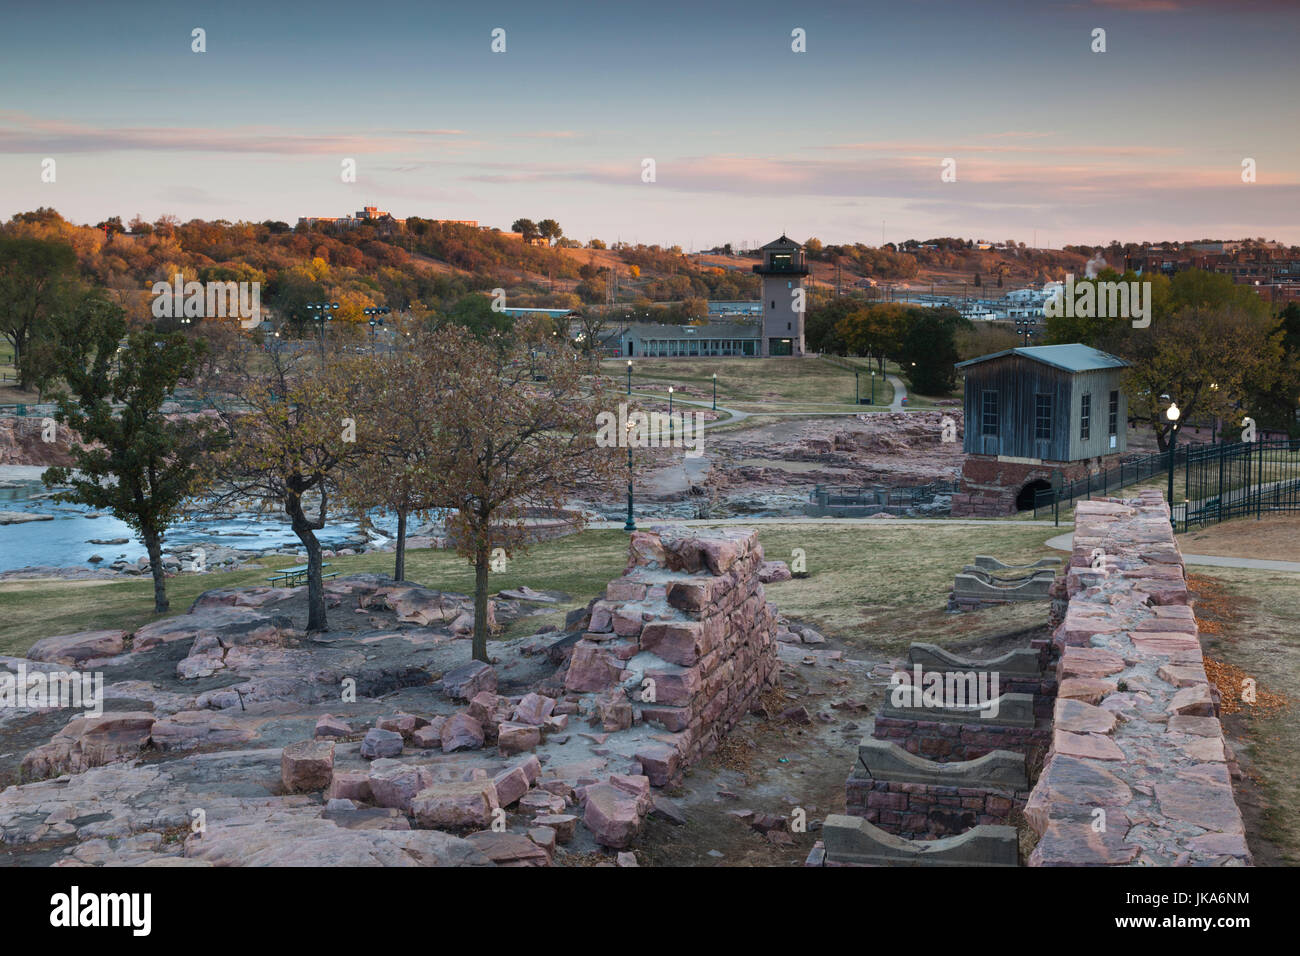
[{"x": 1053, "y": 143}]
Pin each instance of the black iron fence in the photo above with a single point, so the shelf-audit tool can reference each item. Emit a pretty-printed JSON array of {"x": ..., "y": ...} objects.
[{"x": 1212, "y": 481}]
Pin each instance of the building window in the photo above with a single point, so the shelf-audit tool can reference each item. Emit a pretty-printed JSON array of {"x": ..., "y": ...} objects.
[
  {"x": 1085, "y": 418},
  {"x": 1114, "y": 413},
  {"x": 774, "y": 303},
  {"x": 789, "y": 327},
  {"x": 989, "y": 413},
  {"x": 1043, "y": 417}
]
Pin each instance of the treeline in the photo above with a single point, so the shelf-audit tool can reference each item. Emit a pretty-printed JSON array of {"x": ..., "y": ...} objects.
[
  {"x": 484, "y": 430},
  {"x": 921, "y": 341},
  {"x": 1214, "y": 347}
]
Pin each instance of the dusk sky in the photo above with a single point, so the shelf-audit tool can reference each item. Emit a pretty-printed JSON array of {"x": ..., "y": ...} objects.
[{"x": 1142, "y": 142}]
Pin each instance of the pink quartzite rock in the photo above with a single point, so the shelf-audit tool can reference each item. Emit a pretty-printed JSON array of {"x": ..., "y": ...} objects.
[
  {"x": 1078, "y": 717},
  {"x": 611, "y": 815},
  {"x": 461, "y": 732},
  {"x": 591, "y": 669},
  {"x": 459, "y": 804},
  {"x": 771, "y": 571},
  {"x": 1094, "y": 746},
  {"x": 74, "y": 649},
  {"x": 87, "y": 742},
  {"x": 331, "y": 726},
  {"x": 349, "y": 785},
  {"x": 517, "y": 738},
  {"x": 564, "y": 824},
  {"x": 678, "y": 642},
  {"x": 511, "y": 785},
  {"x": 380, "y": 743},
  {"x": 395, "y": 784},
  {"x": 1090, "y": 690},
  {"x": 509, "y": 849},
  {"x": 534, "y": 709},
  {"x": 307, "y": 765},
  {"x": 463, "y": 682}
]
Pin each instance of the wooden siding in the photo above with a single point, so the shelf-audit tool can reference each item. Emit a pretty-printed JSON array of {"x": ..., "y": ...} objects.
[{"x": 1017, "y": 381}]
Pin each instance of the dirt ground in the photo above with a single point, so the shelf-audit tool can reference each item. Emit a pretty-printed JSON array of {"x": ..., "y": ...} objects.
[{"x": 778, "y": 766}]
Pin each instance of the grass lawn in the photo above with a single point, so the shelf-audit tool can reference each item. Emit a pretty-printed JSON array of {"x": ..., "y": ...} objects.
[
  {"x": 747, "y": 380},
  {"x": 875, "y": 587},
  {"x": 1250, "y": 620}
]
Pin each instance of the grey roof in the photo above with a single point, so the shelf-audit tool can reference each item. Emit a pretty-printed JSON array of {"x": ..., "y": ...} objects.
[
  {"x": 710, "y": 330},
  {"x": 785, "y": 242},
  {"x": 1071, "y": 358}
]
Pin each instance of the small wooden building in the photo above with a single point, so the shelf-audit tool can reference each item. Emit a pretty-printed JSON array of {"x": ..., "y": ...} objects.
[{"x": 1045, "y": 403}]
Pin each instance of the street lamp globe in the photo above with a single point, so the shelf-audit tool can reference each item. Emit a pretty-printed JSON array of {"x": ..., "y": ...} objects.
[{"x": 1172, "y": 413}]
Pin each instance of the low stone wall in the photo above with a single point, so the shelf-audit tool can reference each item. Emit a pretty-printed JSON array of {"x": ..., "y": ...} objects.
[
  {"x": 685, "y": 638},
  {"x": 921, "y": 799},
  {"x": 1138, "y": 772},
  {"x": 920, "y": 811},
  {"x": 948, "y": 741}
]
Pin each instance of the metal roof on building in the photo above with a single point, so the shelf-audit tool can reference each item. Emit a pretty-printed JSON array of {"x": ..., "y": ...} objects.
[
  {"x": 1070, "y": 358},
  {"x": 710, "y": 330}
]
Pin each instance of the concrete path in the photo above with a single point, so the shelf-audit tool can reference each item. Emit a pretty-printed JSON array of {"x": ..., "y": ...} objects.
[
  {"x": 900, "y": 393},
  {"x": 1063, "y": 542},
  {"x": 804, "y": 519}
]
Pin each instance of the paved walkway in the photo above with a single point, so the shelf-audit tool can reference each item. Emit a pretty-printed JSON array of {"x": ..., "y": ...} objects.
[
  {"x": 900, "y": 393},
  {"x": 804, "y": 519},
  {"x": 1063, "y": 542}
]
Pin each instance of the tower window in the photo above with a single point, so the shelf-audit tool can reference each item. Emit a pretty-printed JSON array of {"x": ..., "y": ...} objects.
[
  {"x": 774, "y": 303},
  {"x": 1114, "y": 413},
  {"x": 1085, "y": 418}
]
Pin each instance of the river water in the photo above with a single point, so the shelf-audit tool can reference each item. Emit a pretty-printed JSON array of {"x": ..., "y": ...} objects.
[{"x": 64, "y": 541}]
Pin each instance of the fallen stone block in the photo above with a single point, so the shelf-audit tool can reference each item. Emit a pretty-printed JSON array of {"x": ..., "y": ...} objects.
[
  {"x": 381, "y": 743},
  {"x": 457, "y": 804},
  {"x": 611, "y": 814},
  {"x": 307, "y": 765},
  {"x": 463, "y": 682}
]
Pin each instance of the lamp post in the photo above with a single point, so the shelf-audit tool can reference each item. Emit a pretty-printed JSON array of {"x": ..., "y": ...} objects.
[
  {"x": 873, "y": 386},
  {"x": 1172, "y": 414},
  {"x": 322, "y": 312},
  {"x": 629, "y": 378},
  {"x": 715, "y": 391},
  {"x": 376, "y": 321},
  {"x": 670, "y": 414},
  {"x": 630, "y": 524},
  {"x": 856, "y": 399}
]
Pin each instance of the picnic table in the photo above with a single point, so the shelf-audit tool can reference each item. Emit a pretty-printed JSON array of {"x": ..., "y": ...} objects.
[{"x": 292, "y": 577}]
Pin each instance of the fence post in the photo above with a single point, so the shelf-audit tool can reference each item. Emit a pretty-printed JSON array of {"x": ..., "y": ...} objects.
[{"x": 1222, "y": 448}]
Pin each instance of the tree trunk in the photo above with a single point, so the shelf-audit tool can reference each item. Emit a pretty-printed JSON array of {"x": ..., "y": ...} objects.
[
  {"x": 153, "y": 545},
  {"x": 315, "y": 586},
  {"x": 399, "y": 569},
  {"x": 481, "y": 558}
]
